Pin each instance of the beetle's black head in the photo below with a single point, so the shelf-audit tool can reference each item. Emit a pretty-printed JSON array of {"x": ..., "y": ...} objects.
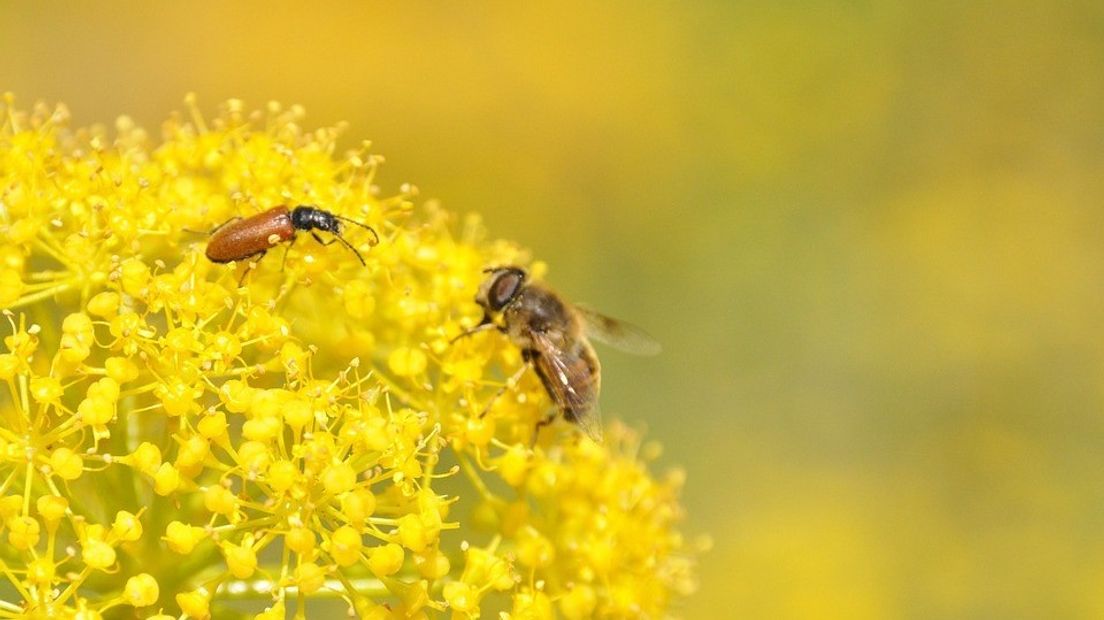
[
  {"x": 305, "y": 217},
  {"x": 500, "y": 288}
]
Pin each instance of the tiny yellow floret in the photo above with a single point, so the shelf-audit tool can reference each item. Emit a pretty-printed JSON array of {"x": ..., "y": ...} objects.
[
  {"x": 197, "y": 604},
  {"x": 345, "y": 546},
  {"x": 358, "y": 505},
  {"x": 240, "y": 559},
  {"x": 461, "y": 596},
  {"x": 104, "y": 305},
  {"x": 182, "y": 538},
  {"x": 310, "y": 577},
  {"x": 126, "y": 527},
  {"x": 386, "y": 560},
  {"x": 578, "y": 603},
  {"x": 66, "y": 464},
  {"x": 338, "y": 478},
  {"x": 146, "y": 459},
  {"x": 219, "y": 500},
  {"x": 407, "y": 361},
  {"x": 300, "y": 540},
  {"x": 41, "y": 571},
  {"x": 46, "y": 389},
  {"x": 52, "y": 507},
  {"x": 166, "y": 479},
  {"x": 141, "y": 590},
  {"x": 98, "y": 554},
  {"x": 23, "y": 532}
]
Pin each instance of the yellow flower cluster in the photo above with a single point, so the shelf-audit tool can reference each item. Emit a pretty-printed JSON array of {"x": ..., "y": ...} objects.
[{"x": 180, "y": 438}]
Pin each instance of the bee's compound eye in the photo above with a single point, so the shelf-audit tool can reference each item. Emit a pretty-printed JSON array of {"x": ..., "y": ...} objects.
[{"x": 504, "y": 289}]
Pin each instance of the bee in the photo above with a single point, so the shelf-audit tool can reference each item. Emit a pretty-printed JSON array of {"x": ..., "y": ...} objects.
[{"x": 553, "y": 336}]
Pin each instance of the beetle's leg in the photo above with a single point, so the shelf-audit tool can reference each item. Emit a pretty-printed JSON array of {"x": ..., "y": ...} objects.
[
  {"x": 283, "y": 263},
  {"x": 213, "y": 230},
  {"x": 229, "y": 221},
  {"x": 319, "y": 239},
  {"x": 249, "y": 266}
]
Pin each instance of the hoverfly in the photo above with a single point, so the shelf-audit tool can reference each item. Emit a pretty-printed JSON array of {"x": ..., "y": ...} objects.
[{"x": 553, "y": 336}]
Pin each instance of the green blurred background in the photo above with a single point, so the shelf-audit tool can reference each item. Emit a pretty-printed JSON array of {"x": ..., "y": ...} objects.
[{"x": 868, "y": 235}]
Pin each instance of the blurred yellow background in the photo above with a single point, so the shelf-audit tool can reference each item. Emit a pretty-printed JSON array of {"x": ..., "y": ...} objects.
[{"x": 868, "y": 235}]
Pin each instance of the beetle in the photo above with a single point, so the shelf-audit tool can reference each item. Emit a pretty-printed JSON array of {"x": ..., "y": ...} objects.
[{"x": 239, "y": 239}]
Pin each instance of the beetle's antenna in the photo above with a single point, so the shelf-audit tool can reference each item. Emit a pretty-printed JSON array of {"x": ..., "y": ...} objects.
[
  {"x": 350, "y": 246},
  {"x": 361, "y": 224}
]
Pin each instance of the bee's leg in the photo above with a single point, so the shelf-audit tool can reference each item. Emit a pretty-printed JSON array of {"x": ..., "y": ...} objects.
[
  {"x": 550, "y": 418},
  {"x": 249, "y": 266},
  {"x": 510, "y": 383},
  {"x": 483, "y": 326}
]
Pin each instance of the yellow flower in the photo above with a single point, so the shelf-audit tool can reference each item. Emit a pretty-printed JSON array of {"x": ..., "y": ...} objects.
[
  {"x": 285, "y": 421},
  {"x": 141, "y": 590}
]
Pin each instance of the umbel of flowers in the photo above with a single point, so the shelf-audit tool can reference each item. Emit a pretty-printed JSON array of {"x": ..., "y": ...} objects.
[{"x": 290, "y": 435}]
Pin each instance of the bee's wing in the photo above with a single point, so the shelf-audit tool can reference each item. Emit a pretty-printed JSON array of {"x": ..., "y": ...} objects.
[
  {"x": 591, "y": 422},
  {"x": 570, "y": 381},
  {"x": 617, "y": 334}
]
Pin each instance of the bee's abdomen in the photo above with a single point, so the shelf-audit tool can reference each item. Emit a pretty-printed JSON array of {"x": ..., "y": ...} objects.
[{"x": 572, "y": 382}]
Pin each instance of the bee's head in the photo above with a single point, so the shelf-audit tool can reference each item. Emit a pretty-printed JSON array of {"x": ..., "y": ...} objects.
[{"x": 500, "y": 287}]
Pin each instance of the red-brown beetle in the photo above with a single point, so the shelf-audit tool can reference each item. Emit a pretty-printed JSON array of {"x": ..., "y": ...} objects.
[{"x": 239, "y": 239}]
